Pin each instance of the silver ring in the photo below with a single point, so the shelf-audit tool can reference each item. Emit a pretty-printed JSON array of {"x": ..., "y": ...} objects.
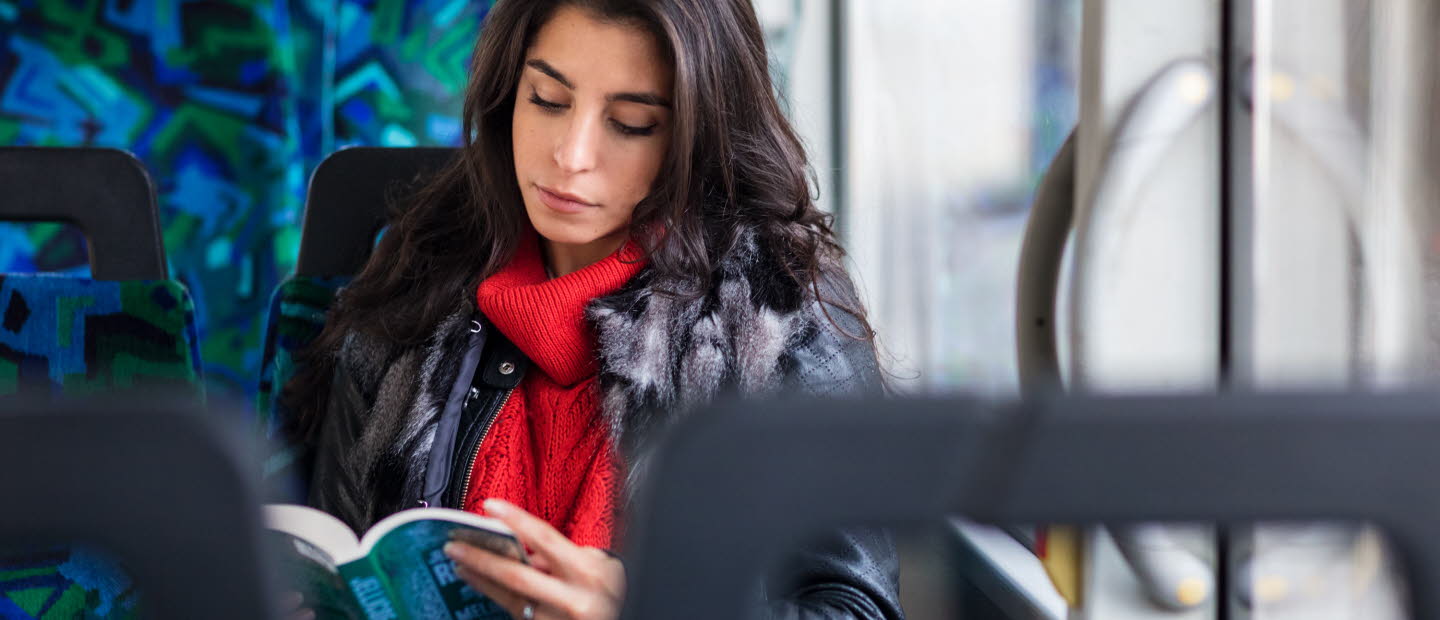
[{"x": 528, "y": 613}]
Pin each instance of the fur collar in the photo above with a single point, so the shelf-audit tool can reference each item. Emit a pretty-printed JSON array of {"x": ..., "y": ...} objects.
[{"x": 662, "y": 356}]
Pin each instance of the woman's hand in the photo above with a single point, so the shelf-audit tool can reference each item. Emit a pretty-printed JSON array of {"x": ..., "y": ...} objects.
[
  {"x": 292, "y": 606},
  {"x": 563, "y": 580}
]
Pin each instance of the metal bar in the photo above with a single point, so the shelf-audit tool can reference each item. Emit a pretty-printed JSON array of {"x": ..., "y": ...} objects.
[
  {"x": 1236, "y": 139},
  {"x": 839, "y": 109}
]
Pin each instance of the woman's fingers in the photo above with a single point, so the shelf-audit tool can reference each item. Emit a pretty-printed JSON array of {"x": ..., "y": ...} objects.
[
  {"x": 565, "y": 580},
  {"x": 291, "y": 605},
  {"x": 542, "y": 563},
  {"x": 609, "y": 572},
  {"x": 534, "y": 533},
  {"x": 291, "y": 601},
  {"x": 523, "y": 581}
]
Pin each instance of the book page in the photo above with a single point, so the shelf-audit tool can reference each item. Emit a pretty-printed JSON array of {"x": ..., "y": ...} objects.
[
  {"x": 308, "y": 546},
  {"x": 321, "y": 530},
  {"x": 310, "y": 571}
]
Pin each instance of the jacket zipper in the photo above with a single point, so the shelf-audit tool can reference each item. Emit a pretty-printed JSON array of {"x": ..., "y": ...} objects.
[{"x": 484, "y": 432}]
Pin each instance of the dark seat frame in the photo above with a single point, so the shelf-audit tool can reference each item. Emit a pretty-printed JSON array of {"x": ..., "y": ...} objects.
[
  {"x": 104, "y": 192},
  {"x": 350, "y": 195},
  {"x": 161, "y": 486},
  {"x": 716, "y": 512}
]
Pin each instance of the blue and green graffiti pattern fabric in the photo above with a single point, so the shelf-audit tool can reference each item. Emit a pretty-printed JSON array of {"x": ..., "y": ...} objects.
[
  {"x": 64, "y": 336},
  {"x": 70, "y": 582},
  {"x": 230, "y": 104},
  {"x": 198, "y": 91}
]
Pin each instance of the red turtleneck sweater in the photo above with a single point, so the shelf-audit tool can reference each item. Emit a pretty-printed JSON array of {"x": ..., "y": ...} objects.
[{"x": 548, "y": 451}]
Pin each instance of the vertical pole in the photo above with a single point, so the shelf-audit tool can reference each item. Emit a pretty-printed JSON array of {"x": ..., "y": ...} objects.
[
  {"x": 839, "y": 108},
  {"x": 1238, "y": 39}
]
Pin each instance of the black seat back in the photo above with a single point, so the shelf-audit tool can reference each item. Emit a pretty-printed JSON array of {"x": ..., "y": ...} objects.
[
  {"x": 159, "y": 486},
  {"x": 348, "y": 202},
  {"x": 106, "y": 193}
]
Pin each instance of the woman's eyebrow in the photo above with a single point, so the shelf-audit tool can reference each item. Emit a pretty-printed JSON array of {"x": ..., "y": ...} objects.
[
  {"x": 640, "y": 98},
  {"x": 544, "y": 67}
]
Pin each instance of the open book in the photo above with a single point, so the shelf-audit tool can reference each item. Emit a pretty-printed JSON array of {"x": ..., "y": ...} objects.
[{"x": 397, "y": 570}]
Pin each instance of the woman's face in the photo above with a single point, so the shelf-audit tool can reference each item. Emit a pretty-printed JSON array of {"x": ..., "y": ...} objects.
[{"x": 591, "y": 127}]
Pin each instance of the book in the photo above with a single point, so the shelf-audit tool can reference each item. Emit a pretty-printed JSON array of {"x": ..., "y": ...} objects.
[{"x": 396, "y": 571}]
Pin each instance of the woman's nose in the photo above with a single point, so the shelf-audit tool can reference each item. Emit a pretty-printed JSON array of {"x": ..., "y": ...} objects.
[{"x": 578, "y": 150}]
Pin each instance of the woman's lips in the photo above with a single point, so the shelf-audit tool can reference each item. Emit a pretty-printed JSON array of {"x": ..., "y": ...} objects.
[{"x": 564, "y": 203}]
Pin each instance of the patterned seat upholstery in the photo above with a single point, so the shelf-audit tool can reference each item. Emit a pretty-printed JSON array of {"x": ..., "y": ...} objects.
[
  {"x": 297, "y": 313},
  {"x": 64, "y": 582},
  {"x": 81, "y": 337}
]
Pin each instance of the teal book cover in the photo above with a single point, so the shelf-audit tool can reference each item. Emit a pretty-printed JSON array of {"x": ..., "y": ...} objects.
[{"x": 396, "y": 571}]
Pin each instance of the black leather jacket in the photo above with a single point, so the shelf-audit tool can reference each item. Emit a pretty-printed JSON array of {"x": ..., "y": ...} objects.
[{"x": 850, "y": 573}]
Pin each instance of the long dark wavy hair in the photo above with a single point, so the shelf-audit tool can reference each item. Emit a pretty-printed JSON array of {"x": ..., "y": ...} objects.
[{"x": 734, "y": 164}]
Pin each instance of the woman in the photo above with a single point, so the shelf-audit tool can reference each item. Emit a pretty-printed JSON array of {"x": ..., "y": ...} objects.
[{"x": 627, "y": 233}]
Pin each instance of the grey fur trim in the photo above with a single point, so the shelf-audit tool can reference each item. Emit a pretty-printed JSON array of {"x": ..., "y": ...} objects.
[
  {"x": 437, "y": 375},
  {"x": 661, "y": 357},
  {"x": 392, "y": 453}
]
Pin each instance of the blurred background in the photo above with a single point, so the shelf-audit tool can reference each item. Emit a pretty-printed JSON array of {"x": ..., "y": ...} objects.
[
  {"x": 942, "y": 112},
  {"x": 953, "y": 111}
]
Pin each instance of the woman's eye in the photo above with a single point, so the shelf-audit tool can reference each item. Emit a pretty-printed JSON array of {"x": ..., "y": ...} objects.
[
  {"x": 630, "y": 130},
  {"x": 548, "y": 105}
]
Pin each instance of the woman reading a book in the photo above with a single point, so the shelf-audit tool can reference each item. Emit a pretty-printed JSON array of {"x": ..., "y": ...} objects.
[{"x": 627, "y": 233}]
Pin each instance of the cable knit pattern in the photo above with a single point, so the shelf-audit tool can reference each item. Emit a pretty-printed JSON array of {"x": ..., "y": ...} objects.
[
  {"x": 546, "y": 318},
  {"x": 549, "y": 451}
]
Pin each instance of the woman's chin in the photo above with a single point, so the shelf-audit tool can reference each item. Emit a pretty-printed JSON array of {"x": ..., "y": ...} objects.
[{"x": 570, "y": 233}]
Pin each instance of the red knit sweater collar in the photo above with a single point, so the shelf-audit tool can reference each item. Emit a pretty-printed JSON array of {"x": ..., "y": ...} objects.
[{"x": 546, "y": 318}]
